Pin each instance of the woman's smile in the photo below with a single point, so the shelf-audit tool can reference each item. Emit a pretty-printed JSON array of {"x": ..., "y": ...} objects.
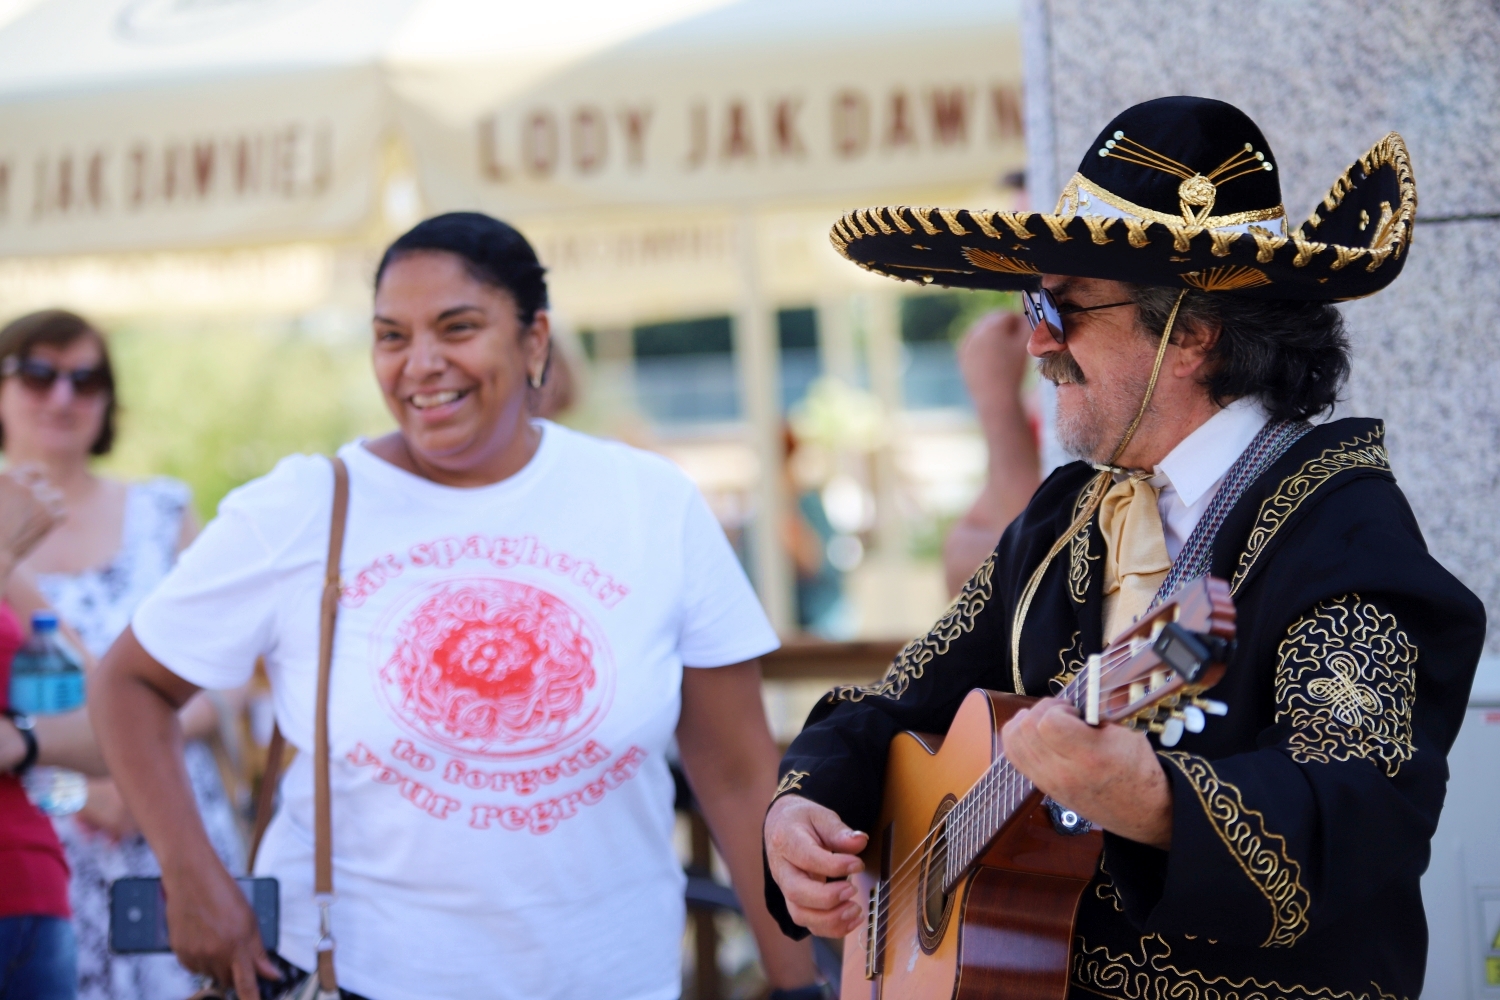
[{"x": 438, "y": 404}]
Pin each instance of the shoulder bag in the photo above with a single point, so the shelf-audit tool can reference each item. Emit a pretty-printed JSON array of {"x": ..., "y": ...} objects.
[{"x": 323, "y": 984}]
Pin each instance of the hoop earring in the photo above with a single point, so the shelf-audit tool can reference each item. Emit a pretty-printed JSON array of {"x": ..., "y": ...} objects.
[{"x": 538, "y": 380}]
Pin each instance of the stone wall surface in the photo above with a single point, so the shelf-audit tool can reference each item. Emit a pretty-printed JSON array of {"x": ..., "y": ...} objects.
[{"x": 1324, "y": 81}]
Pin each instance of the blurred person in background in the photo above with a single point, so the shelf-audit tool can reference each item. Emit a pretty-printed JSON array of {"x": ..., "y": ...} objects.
[
  {"x": 806, "y": 532},
  {"x": 528, "y": 617},
  {"x": 993, "y": 360},
  {"x": 57, "y": 412},
  {"x": 37, "y": 945}
]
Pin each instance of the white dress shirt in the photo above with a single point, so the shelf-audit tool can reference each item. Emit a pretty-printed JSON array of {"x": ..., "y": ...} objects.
[{"x": 1191, "y": 473}]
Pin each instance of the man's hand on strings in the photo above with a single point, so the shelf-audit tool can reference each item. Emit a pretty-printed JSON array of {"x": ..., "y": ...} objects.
[
  {"x": 1110, "y": 775},
  {"x": 812, "y": 852}
]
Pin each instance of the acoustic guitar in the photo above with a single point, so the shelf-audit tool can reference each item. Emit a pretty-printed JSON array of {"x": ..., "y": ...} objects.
[{"x": 972, "y": 877}]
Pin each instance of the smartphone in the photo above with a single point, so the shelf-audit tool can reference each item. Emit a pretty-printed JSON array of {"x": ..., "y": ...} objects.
[{"x": 138, "y": 913}]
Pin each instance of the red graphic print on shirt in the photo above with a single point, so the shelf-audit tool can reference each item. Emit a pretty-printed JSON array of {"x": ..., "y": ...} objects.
[{"x": 498, "y": 669}]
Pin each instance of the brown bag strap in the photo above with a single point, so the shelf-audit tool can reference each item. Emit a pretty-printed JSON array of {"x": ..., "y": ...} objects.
[{"x": 322, "y": 812}]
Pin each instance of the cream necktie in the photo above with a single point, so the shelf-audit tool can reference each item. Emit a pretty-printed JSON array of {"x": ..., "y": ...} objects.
[{"x": 1136, "y": 560}]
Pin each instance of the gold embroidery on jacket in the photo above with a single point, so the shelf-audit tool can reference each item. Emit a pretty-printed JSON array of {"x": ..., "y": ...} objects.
[
  {"x": 1260, "y": 853},
  {"x": 1071, "y": 660},
  {"x": 1346, "y": 683},
  {"x": 1078, "y": 556},
  {"x": 1104, "y": 887},
  {"x": 1150, "y": 975},
  {"x": 911, "y": 663},
  {"x": 1364, "y": 452},
  {"x": 791, "y": 782}
]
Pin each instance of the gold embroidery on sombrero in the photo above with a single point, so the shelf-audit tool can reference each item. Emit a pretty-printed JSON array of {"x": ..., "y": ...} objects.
[
  {"x": 1306, "y": 250},
  {"x": 1346, "y": 684},
  {"x": 1266, "y": 243},
  {"x": 1226, "y": 279},
  {"x": 1182, "y": 235},
  {"x": 1017, "y": 223},
  {"x": 1260, "y": 853},
  {"x": 950, "y": 216},
  {"x": 1384, "y": 226},
  {"x": 911, "y": 663},
  {"x": 1362, "y": 452},
  {"x": 1197, "y": 192},
  {"x": 1135, "y": 231},
  {"x": 1150, "y": 975},
  {"x": 1393, "y": 231},
  {"x": 924, "y": 219},
  {"x": 979, "y": 218},
  {"x": 1080, "y": 190},
  {"x": 1222, "y": 239},
  {"x": 1059, "y": 227},
  {"x": 873, "y": 214},
  {"x": 998, "y": 262},
  {"x": 1343, "y": 255},
  {"x": 1099, "y": 227}
]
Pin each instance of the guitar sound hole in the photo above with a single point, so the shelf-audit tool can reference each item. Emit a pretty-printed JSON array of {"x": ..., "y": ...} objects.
[{"x": 935, "y": 905}]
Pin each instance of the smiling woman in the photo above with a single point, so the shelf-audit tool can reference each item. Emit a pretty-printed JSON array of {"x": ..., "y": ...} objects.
[
  {"x": 518, "y": 599},
  {"x": 461, "y": 334}
]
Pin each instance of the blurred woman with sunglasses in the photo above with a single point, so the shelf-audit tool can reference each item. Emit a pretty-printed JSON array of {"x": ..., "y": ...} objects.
[{"x": 57, "y": 412}]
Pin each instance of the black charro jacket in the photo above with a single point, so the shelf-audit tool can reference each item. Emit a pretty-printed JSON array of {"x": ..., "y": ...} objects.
[{"x": 1302, "y": 819}]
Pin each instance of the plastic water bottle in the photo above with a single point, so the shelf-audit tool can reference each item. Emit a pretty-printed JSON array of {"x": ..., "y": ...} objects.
[{"x": 46, "y": 678}]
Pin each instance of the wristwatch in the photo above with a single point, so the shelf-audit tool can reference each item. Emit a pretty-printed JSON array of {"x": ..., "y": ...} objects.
[{"x": 24, "y": 725}]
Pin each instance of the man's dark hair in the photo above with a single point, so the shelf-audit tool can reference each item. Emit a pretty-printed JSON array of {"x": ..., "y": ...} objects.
[
  {"x": 494, "y": 253},
  {"x": 60, "y": 328},
  {"x": 1293, "y": 356}
]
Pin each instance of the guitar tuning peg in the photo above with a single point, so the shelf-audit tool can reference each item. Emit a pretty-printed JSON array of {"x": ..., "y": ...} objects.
[
  {"x": 1171, "y": 731},
  {"x": 1193, "y": 719},
  {"x": 1211, "y": 707}
]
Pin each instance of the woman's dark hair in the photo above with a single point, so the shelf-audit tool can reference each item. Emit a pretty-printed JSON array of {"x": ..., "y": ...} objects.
[
  {"x": 1293, "y": 356},
  {"x": 60, "y": 328},
  {"x": 494, "y": 253}
]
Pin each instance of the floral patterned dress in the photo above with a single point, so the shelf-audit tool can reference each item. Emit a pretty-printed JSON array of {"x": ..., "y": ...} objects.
[{"x": 98, "y": 604}]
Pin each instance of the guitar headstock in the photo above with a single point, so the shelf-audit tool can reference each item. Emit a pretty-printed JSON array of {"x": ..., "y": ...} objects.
[{"x": 1154, "y": 672}]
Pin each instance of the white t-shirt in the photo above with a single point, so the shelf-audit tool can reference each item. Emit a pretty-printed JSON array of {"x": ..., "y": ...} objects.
[{"x": 506, "y": 677}]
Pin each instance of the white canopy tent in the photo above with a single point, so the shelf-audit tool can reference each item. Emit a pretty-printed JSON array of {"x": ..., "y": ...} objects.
[{"x": 668, "y": 157}]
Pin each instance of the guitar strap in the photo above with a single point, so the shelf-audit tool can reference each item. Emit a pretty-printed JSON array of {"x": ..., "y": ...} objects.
[{"x": 1273, "y": 441}]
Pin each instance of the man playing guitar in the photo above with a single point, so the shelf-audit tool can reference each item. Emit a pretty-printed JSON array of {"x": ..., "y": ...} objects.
[{"x": 1190, "y": 330}]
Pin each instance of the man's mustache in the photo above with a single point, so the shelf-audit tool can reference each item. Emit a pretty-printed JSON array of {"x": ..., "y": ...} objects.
[{"x": 1060, "y": 369}]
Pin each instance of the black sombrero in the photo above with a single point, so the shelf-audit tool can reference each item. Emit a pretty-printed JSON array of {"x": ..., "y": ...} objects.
[{"x": 1181, "y": 192}]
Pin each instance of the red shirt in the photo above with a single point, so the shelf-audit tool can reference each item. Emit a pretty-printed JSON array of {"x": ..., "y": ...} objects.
[{"x": 33, "y": 872}]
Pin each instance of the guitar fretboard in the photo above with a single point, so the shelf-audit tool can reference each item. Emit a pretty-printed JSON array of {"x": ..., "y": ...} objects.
[{"x": 989, "y": 805}]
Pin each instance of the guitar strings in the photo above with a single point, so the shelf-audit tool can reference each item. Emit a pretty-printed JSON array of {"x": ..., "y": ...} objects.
[
  {"x": 910, "y": 867},
  {"x": 1009, "y": 781}
]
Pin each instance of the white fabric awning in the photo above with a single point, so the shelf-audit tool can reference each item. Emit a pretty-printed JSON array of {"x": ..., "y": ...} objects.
[{"x": 180, "y": 124}]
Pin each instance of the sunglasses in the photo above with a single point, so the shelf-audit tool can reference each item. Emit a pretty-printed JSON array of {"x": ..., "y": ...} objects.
[
  {"x": 1040, "y": 307},
  {"x": 38, "y": 376}
]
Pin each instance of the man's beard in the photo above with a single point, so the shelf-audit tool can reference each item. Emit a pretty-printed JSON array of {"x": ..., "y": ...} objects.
[{"x": 1090, "y": 427}]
